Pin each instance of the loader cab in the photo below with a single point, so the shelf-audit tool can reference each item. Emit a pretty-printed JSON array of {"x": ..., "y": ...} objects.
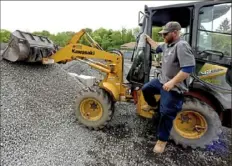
[{"x": 206, "y": 26}]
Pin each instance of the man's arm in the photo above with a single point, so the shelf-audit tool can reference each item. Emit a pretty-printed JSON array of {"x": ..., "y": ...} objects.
[
  {"x": 154, "y": 45},
  {"x": 181, "y": 76}
]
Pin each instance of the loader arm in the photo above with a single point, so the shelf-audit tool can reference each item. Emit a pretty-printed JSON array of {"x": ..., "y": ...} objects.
[
  {"x": 76, "y": 38},
  {"x": 79, "y": 51},
  {"x": 112, "y": 62},
  {"x": 75, "y": 50}
]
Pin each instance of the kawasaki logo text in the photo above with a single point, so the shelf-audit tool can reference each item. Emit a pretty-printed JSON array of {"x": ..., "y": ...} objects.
[{"x": 83, "y": 52}]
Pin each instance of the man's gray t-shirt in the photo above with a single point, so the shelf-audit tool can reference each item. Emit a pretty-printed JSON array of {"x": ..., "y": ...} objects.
[{"x": 175, "y": 56}]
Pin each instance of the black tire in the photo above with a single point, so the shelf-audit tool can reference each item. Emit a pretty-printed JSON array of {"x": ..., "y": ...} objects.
[
  {"x": 212, "y": 119},
  {"x": 104, "y": 99}
]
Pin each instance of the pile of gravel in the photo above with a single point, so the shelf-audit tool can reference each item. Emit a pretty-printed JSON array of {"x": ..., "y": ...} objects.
[
  {"x": 2, "y": 47},
  {"x": 36, "y": 109},
  {"x": 82, "y": 68},
  {"x": 38, "y": 127}
]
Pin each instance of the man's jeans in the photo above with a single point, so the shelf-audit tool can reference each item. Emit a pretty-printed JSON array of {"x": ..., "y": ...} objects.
[{"x": 170, "y": 104}]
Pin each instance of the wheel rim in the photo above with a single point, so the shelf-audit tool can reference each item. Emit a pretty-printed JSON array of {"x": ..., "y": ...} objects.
[
  {"x": 91, "y": 109},
  {"x": 190, "y": 124}
]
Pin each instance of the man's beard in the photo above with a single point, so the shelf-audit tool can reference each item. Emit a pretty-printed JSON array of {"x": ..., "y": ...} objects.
[{"x": 169, "y": 41}]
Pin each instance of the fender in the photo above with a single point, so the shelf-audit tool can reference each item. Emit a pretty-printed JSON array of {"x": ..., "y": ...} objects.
[{"x": 109, "y": 87}]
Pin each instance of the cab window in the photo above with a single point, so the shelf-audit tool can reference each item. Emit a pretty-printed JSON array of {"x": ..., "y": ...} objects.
[
  {"x": 214, "y": 30},
  {"x": 214, "y": 34}
]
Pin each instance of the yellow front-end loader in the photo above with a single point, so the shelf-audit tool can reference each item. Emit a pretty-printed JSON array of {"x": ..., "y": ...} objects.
[{"x": 206, "y": 107}]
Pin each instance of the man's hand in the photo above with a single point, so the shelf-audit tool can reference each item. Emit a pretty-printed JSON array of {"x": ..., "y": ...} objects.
[
  {"x": 177, "y": 79},
  {"x": 151, "y": 42},
  {"x": 168, "y": 85}
]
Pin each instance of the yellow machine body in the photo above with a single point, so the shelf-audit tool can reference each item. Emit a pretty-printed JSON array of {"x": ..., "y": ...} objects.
[{"x": 112, "y": 66}]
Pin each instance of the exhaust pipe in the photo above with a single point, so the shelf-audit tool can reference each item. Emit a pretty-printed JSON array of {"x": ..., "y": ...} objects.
[{"x": 24, "y": 46}]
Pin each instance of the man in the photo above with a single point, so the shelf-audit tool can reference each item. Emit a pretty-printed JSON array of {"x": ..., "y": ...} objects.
[{"x": 177, "y": 63}]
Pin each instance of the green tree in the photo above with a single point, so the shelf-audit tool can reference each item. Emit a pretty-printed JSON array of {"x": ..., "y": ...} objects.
[
  {"x": 89, "y": 30},
  {"x": 62, "y": 38},
  {"x": 123, "y": 34},
  {"x": 106, "y": 42},
  {"x": 129, "y": 36},
  {"x": 5, "y": 36},
  {"x": 222, "y": 42},
  {"x": 116, "y": 39},
  {"x": 135, "y": 32},
  {"x": 225, "y": 26},
  {"x": 155, "y": 35},
  {"x": 43, "y": 33},
  {"x": 106, "y": 38}
]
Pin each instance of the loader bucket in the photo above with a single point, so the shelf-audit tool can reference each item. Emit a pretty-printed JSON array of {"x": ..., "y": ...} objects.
[{"x": 24, "y": 46}]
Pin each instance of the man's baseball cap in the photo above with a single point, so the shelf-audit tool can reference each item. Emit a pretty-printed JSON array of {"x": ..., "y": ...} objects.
[{"x": 170, "y": 27}]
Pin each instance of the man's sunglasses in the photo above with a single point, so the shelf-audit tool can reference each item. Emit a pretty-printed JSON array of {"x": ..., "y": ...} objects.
[{"x": 164, "y": 34}]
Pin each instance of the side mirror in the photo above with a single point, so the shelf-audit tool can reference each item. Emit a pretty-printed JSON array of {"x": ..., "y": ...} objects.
[
  {"x": 140, "y": 19},
  {"x": 229, "y": 76}
]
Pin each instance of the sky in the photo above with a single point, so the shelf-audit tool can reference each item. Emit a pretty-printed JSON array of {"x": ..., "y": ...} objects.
[{"x": 59, "y": 16}]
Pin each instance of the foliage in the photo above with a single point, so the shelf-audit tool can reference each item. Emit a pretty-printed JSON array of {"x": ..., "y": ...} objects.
[
  {"x": 155, "y": 35},
  {"x": 106, "y": 38},
  {"x": 222, "y": 42},
  {"x": 225, "y": 26},
  {"x": 4, "y": 36},
  {"x": 43, "y": 33},
  {"x": 158, "y": 38}
]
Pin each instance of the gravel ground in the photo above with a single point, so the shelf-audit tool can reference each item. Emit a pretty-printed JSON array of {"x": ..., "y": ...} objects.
[
  {"x": 2, "y": 47},
  {"x": 38, "y": 126}
]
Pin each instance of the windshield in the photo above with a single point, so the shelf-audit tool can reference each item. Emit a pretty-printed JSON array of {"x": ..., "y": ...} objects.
[
  {"x": 140, "y": 39},
  {"x": 138, "y": 68},
  {"x": 214, "y": 31}
]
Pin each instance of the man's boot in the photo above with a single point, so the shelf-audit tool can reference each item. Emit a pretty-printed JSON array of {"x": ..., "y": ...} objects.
[
  {"x": 148, "y": 108},
  {"x": 159, "y": 147}
]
